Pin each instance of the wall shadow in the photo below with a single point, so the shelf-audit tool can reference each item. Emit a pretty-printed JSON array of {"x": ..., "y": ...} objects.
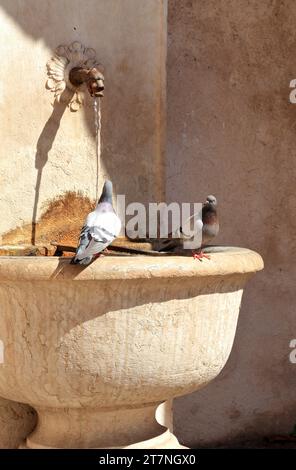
[
  {"x": 21, "y": 13},
  {"x": 44, "y": 145}
]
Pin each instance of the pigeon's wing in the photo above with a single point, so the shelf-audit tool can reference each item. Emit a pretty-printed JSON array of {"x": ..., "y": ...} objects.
[
  {"x": 85, "y": 235},
  {"x": 192, "y": 227},
  {"x": 190, "y": 230},
  {"x": 95, "y": 238},
  {"x": 84, "y": 241}
]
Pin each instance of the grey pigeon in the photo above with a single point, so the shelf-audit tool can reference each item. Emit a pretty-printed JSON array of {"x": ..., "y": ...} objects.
[
  {"x": 208, "y": 224},
  {"x": 101, "y": 227}
]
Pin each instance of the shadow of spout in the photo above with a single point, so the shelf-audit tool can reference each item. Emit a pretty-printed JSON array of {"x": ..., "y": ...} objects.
[{"x": 43, "y": 147}]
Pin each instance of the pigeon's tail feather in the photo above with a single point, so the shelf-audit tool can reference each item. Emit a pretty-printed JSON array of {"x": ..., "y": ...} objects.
[{"x": 84, "y": 261}]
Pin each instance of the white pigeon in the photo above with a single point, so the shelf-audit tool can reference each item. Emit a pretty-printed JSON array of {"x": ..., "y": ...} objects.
[{"x": 101, "y": 227}]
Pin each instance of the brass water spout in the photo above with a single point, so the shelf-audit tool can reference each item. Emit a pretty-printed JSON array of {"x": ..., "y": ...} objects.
[{"x": 93, "y": 78}]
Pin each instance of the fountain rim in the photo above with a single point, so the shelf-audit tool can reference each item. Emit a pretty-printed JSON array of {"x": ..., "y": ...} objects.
[{"x": 227, "y": 261}]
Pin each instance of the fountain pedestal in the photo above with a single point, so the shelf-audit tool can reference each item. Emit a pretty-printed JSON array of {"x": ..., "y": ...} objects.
[
  {"x": 96, "y": 350},
  {"x": 97, "y": 428}
]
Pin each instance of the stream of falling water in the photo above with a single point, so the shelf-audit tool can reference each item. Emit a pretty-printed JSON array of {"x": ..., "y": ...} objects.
[{"x": 98, "y": 125}]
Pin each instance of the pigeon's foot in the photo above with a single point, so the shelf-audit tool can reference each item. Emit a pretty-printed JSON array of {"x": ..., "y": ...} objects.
[{"x": 200, "y": 255}]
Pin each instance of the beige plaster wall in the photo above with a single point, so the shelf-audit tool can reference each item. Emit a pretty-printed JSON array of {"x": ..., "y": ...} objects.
[
  {"x": 232, "y": 132},
  {"x": 46, "y": 152}
]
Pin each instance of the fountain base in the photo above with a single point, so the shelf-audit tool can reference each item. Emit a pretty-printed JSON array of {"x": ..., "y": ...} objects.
[{"x": 87, "y": 428}]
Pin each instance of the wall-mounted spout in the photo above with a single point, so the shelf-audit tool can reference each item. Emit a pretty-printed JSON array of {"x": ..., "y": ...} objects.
[
  {"x": 69, "y": 68},
  {"x": 93, "y": 78}
]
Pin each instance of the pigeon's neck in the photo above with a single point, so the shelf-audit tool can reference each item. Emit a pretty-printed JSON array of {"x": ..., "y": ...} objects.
[
  {"x": 209, "y": 208},
  {"x": 106, "y": 195},
  {"x": 104, "y": 206},
  {"x": 105, "y": 198},
  {"x": 209, "y": 214}
]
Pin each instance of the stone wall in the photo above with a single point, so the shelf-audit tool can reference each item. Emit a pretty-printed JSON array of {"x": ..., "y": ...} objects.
[{"x": 231, "y": 132}]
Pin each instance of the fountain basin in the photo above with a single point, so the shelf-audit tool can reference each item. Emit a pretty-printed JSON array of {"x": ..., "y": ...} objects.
[{"x": 95, "y": 350}]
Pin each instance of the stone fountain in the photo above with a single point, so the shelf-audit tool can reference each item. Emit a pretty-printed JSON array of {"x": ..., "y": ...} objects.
[
  {"x": 95, "y": 351},
  {"x": 100, "y": 352}
]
